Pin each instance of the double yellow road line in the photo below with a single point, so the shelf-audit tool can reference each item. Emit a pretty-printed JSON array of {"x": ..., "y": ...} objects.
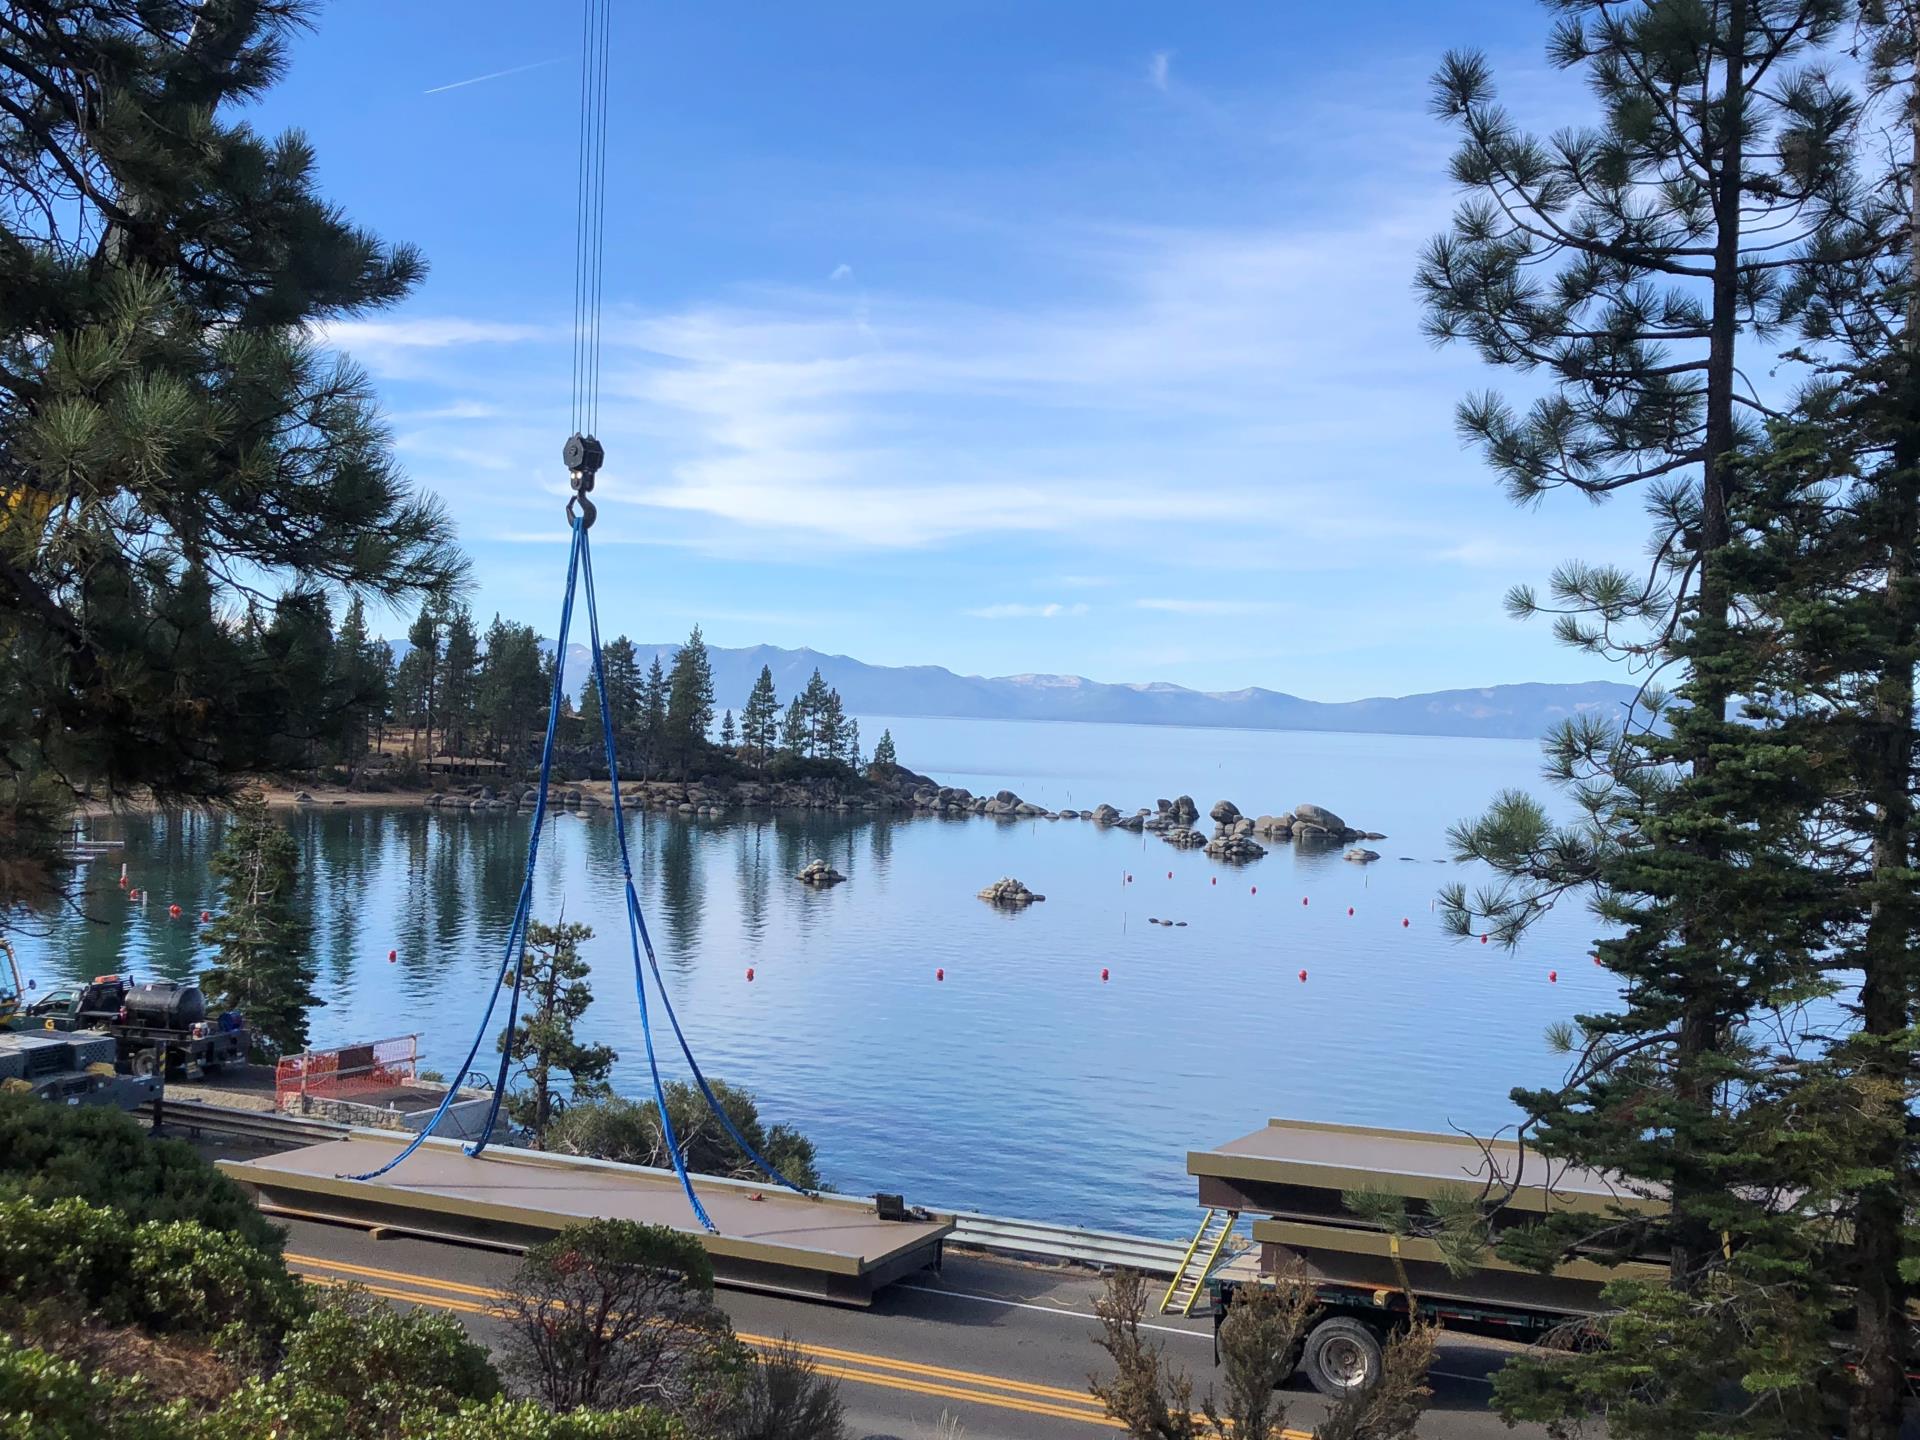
[{"x": 936, "y": 1382}]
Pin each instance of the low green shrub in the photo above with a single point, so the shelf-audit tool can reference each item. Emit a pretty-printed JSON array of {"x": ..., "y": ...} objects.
[{"x": 48, "y": 1152}]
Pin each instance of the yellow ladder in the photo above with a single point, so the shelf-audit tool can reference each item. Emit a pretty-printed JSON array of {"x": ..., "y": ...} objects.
[{"x": 1208, "y": 1241}]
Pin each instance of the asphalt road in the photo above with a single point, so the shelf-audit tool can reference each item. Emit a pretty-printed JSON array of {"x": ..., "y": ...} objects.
[{"x": 1005, "y": 1350}]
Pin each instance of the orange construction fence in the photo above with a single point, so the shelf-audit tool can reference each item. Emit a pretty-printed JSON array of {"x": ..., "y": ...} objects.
[{"x": 349, "y": 1070}]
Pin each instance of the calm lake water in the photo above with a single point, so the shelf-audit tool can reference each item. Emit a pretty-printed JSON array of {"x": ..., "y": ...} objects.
[{"x": 1022, "y": 1084}]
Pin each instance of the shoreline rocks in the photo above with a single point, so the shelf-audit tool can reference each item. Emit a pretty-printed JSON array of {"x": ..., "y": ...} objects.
[{"x": 1009, "y": 892}]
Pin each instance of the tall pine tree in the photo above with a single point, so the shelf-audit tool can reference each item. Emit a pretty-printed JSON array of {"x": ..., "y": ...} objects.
[
  {"x": 759, "y": 721},
  {"x": 263, "y": 961},
  {"x": 689, "y": 704},
  {"x": 172, "y": 436}
]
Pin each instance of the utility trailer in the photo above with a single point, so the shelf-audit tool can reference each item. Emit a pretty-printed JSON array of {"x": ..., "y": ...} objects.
[
  {"x": 158, "y": 1025},
  {"x": 1289, "y": 1177}
]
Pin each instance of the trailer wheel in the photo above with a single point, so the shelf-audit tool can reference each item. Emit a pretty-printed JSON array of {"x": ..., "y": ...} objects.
[
  {"x": 145, "y": 1063},
  {"x": 1342, "y": 1357}
]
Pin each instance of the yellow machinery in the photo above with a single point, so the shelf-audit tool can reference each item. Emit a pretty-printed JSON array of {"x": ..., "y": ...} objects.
[{"x": 12, "y": 991}]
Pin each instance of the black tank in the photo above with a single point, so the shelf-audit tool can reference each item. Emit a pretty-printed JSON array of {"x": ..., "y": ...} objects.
[{"x": 170, "y": 1003}]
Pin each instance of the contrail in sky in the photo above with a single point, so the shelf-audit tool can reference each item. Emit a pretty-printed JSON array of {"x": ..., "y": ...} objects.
[{"x": 496, "y": 75}]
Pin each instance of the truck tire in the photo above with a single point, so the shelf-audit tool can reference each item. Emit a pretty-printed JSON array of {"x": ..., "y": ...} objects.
[
  {"x": 1342, "y": 1357},
  {"x": 145, "y": 1063}
]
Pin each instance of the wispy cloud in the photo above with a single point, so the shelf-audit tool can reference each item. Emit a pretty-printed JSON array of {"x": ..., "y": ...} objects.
[
  {"x": 1051, "y": 611},
  {"x": 842, "y": 271},
  {"x": 1208, "y": 606},
  {"x": 496, "y": 75},
  {"x": 1157, "y": 68}
]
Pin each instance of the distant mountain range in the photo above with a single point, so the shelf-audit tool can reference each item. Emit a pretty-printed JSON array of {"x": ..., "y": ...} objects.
[{"x": 1504, "y": 711}]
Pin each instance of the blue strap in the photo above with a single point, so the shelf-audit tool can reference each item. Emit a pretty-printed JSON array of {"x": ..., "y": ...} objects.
[
  {"x": 516, "y": 935},
  {"x": 638, "y": 932}
]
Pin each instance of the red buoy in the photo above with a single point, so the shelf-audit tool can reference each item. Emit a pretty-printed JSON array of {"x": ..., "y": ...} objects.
[
  {"x": 1596, "y": 959},
  {"x": 1129, "y": 879},
  {"x": 1254, "y": 890},
  {"x": 1169, "y": 874},
  {"x": 1349, "y": 909},
  {"x": 1214, "y": 881},
  {"x": 173, "y": 912},
  {"x": 940, "y": 974},
  {"x": 1103, "y": 974},
  {"x": 1303, "y": 899},
  {"x": 205, "y": 916},
  {"x": 1553, "y": 976},
  {"x": 1303, "y": 977},
  {"x": 1404, "y": 923},
  {"x": 392, "y": 955},
  {"x": 1483, "y": 939},
  {"x": 133, "y": 894},
  {"x": 749, "y": 974}
]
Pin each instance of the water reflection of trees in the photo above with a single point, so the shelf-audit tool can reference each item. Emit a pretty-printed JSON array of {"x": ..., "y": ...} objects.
[
  {"x": 752, "y": 869},
  {"x": 682, "y": 890}
]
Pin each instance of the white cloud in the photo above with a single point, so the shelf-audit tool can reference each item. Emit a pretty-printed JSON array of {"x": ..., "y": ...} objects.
[
  {"x": 1157, "y": 68},
  {"x": 427, "y": 332},
  {"x": 1211, "y": 606},
  {"x": 1051, "y": 611},
  {"x": 842, "y": 271}
]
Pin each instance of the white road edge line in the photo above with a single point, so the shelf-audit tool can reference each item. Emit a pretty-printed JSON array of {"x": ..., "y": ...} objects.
[{"x": 1043, "y": 1309}]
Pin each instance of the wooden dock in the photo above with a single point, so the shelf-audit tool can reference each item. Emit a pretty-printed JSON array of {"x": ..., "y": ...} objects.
[{"x": 832, "y": 1247}]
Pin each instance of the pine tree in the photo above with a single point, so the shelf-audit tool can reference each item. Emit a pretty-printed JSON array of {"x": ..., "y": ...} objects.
[
  {"x": 728, "y": 740},
  {"x": 849, "y": 751},
  {"x": 513, "y": 691},
  {"x": 354, "y": 681},
  {"x": 554, "y": 995},
  {"x": 759, "y": 720},
  {"x": 419, "y": 681},
  {"x": 1613, "y": 260},
  {"x": 653, "y": 717},
  {"x": 1627, "y": 264},
  {"x": 885, "y": 762},
  {"x": 460, "y": 681},
  {"x": 168, "y": 423},
  {"x": 587, "y": 733},
  {"x": 620, "y": 663},
  {"x": 689, "y": 703},
  {"x": 794, "y": 731},
  {"x": 296, "y": 649},
  {"x": 263, "y": 964}
]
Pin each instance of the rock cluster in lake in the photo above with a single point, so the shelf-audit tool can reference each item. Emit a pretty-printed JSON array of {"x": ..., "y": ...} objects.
[
  {"x": 1010, "y": 892},
  {"x": 820, "y": 874}
]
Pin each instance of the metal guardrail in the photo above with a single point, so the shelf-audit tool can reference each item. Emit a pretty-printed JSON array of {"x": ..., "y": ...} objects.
[
  {"x": 267, "y": 1126},
  {"x": 1025, "y": 1239}
]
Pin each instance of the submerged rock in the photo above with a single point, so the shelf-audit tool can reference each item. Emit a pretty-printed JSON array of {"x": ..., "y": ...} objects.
[
  {"x": 1360, "y": 855},
  {"x": 1184, "y": 838}
]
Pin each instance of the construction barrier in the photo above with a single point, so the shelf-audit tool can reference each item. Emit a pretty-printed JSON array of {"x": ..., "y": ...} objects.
[{"x": 347, "y": 1072}]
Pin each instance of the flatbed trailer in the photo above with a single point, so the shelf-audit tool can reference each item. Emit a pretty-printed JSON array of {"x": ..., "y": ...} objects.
[{"x": 1290, "y": 1176}]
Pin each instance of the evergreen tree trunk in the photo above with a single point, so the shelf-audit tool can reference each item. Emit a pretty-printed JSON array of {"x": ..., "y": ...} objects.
[
  {"x": 1702, "y": 1027},
  {"x": 1881, "y": 1290}
]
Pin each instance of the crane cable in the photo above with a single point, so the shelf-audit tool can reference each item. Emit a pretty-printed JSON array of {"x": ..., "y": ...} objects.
[{"x": 583, "y": 456}]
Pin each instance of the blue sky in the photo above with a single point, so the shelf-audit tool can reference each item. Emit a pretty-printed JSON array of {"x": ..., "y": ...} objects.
[{"x": 1071, "y": 337}]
